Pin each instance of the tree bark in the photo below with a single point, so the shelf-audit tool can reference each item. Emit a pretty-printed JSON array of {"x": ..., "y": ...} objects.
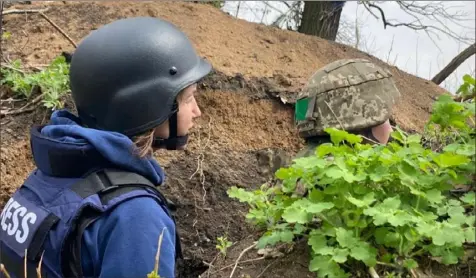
[
  {"x": 454, "y": 64},
  {"x": 321, "y": 19}
]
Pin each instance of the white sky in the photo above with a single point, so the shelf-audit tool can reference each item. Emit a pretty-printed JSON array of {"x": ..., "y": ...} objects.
[{"x": 412, "y": 51}]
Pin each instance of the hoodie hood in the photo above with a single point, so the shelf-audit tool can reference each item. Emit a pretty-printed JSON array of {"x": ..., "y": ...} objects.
[{"x": 64, "y": 148}]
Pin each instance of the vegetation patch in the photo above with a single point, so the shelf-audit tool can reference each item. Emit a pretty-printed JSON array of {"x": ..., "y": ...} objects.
[
  {"x": 382, "y": 206},
  {"x": 52, "y": 82}
]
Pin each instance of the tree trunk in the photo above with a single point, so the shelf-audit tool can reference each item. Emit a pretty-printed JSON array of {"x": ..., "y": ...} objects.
[
  {"x": 321, "y": 18},
  {"x": 454, "y": 64}
]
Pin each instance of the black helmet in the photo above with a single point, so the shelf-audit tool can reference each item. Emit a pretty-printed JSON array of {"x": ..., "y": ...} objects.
[{"x": 125, "y": 76}]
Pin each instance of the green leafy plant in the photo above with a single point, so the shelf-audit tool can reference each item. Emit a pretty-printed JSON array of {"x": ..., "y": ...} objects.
[
  {"x": 374, "y": 204},
  {"x": 53, "y": 81},
  {"x": 468, "y": 88},
  {"x": 223, "y": 244}
]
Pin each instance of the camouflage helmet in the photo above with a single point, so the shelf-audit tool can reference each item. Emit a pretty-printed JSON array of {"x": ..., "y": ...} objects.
[{"x": 349, "y": 94}]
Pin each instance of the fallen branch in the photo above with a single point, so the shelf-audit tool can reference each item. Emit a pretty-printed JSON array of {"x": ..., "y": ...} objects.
[
  {"x": 241, "y": 255},
  {"x": 243, "y": 262},
  {"x": 59, "y": 29},
  {"x": 16, "y": 11},
  {"x": 30, "y": 106},
  {"x": 454, "y": 64},
  {"x": 41, "y": 12},
  {"x": 4, "y": 65}
]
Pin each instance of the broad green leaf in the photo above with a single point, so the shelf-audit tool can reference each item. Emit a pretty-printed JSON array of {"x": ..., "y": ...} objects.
[
  {"x": 366, "y": 201},
  {"x": 318, "y": 242},
  {"x": 470, "y": 220},
  {"x": 410, "y": 264},
  {"x": 316, "y": 208},
  {"x": 337, "y": 136},
  {"x": 470, "y": 234},
  {"x": 364, "y": 252},
  {"x": 469, "y": 79},
  {"x": 414, "y": 139},
  {"x": 283, "y": 173},
  {"x": 272, "y": 237},
  {"x": 325, "y": 266},
  {"x": 449, "y": 257},
  {"x": 345, "y": 238},
  {"x": 379, "y": 173},
  {"x": 462, "y": 149},
  {"x": 340, "y": 255},
  {"x": 309, "y": 162},
  {"x": 469, "y": 198},
  {"x": 316, "y": 195},
  {"x": 400, "y": 218},
  {"x": 296, "y": 215},
  {"x": 391, "y": 203},
  {"x": 398, "y": 135},
  {"x": 448, "y": 159},
  {"x": 434, "y": 196},
  {"x": 324, "y": 149},
  {"x": 455, "y": 211},
  {"x": 334, "y": 172}
]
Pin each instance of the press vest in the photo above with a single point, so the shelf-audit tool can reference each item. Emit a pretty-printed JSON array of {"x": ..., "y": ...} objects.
[{"x": 48, "y": 222}]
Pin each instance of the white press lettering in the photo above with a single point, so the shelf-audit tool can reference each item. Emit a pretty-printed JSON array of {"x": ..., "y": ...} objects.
[
  {"x": 30, "y": 217},
  {"x": 9, "y": 214},
  {"x": 16, "y": 220},
  {"x": 4, "y": 225}
]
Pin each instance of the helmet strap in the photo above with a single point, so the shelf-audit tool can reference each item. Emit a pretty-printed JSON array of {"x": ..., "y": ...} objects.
[{"x": 174, "y": 142}]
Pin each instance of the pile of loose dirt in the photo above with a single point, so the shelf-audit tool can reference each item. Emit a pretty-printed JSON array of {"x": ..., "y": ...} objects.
[
  {"x": 232, "y": 45},
  {"x": 240, "y": 115}
]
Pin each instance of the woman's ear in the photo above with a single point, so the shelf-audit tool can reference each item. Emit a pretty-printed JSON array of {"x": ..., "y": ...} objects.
[{"x": 162, "y": 131}]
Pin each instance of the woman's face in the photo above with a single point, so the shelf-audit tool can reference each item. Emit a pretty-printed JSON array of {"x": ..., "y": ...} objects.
[{"x": 188, "y": 111}]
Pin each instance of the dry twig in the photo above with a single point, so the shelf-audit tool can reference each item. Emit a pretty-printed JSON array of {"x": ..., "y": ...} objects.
[
  {"x": 157, "y": 256},
  {"x": 242, "y": 262},
  {"x": 4, "y": 271},
  {"x": 241, "y": 255},
  {"x": 42, "y": 13},
  {"x": 30, "y": 106},
  {"x": 16, "y": 11},
  {"x": 38, "y": 269},
  {"x": 59, "y": 29}
]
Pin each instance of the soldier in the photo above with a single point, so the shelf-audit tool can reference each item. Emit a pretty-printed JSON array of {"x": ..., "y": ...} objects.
[
  {"x": 354, "y": 95},
  {"x": 92, "y": 208}
]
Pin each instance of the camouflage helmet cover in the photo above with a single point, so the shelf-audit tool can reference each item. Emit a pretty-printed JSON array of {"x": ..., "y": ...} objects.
[{"x": 347, "y": 94}]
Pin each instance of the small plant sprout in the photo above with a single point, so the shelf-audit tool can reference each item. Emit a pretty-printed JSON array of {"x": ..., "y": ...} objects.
[{"x": 223, "y": 244}]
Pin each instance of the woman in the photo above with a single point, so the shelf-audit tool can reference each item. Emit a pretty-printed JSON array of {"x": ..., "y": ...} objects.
[{"x": 91, "y": 206}]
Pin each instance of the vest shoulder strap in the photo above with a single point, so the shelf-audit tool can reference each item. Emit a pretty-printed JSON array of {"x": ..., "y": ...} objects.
[{"x": 107, "y": 184}]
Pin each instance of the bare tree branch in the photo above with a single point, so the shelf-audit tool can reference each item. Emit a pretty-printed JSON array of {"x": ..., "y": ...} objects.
[
  {"x": 455, "y": 63},
  {"x": 434, "y": 11}
]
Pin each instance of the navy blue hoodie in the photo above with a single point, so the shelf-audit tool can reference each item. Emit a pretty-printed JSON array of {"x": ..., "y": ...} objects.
[{"x": 124, "y": 242}]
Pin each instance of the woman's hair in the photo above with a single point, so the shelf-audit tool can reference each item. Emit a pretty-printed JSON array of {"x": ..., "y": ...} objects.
[{"x": 143, "y": 143}]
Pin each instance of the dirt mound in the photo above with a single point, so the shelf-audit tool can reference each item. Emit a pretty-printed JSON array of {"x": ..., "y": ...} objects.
[
  {"x": 241, "y": 115},
  {"x": 232, "y": 45}
]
